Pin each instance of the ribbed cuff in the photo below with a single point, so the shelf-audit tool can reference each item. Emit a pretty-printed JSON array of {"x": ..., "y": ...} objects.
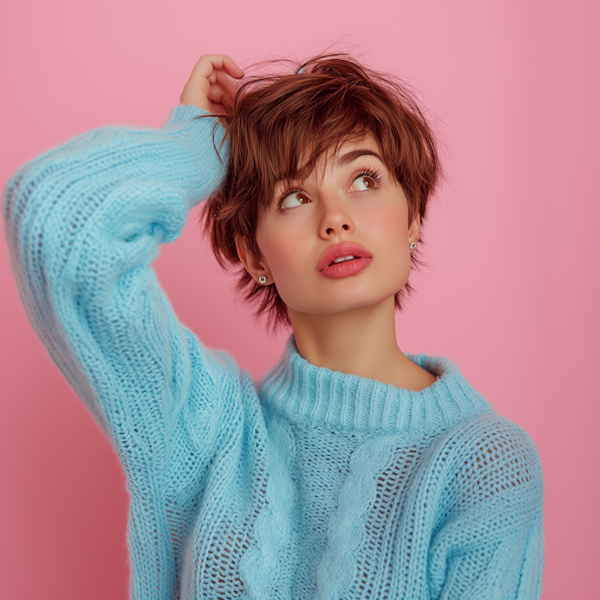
[
  {"x": 205, "y": 134},
  {"x": 184, "y": 119},
  {"x": 184, "y": 112}
]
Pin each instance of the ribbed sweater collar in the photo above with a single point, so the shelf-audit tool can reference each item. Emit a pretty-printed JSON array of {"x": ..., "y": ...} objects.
[{"x": 303, "y": 393}]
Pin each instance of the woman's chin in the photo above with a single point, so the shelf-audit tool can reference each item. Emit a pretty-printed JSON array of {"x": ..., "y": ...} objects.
[{"x": 343, "y": 305}]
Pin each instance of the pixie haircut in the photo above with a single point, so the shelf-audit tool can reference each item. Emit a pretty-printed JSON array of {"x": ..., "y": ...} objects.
[{"x": 278, "y": 129}]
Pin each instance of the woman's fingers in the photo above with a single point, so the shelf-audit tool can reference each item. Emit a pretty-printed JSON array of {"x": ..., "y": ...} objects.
[
  {"x": 210, "y": 63},
  {"x": 212, "y": 81},
  {"x": 225, "y": 86},
  {"x": 231, "y": 67}
]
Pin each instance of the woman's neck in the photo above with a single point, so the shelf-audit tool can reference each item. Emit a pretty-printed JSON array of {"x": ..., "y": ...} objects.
[{"x": 360, "y": 342}]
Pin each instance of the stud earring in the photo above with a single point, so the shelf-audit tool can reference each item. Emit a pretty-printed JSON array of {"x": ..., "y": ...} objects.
[
  {"x": 262, "y": 280},
  {"x": 413, "y": 245}
]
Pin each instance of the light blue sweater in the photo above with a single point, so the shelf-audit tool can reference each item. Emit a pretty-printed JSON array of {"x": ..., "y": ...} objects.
[{"x": 315, "y": 485}]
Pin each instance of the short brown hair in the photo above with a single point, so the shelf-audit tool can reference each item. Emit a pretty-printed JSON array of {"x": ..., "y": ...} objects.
[{"x": 279, "y": 120}]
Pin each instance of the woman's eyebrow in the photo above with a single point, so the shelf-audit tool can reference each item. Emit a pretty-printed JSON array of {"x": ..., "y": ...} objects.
[
  {"x": 342, "y": 161},
  {"x": 350, "y": 156}
]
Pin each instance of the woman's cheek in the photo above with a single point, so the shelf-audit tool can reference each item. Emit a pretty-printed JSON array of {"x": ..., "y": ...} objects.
[
  {"x": 394, "y": 244},
  {"x": 287, "y": 262}
]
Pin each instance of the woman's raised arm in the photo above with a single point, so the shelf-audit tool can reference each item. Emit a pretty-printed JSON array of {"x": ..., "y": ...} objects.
[{"x": 83, "y": 225}]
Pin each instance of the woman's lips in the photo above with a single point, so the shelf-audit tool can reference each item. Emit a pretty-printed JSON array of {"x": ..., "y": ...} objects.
[{"x": 345, "y": 266}]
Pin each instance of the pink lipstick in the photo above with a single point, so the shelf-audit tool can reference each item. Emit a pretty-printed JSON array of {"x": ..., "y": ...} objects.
[{"x": 344, "y": 260}]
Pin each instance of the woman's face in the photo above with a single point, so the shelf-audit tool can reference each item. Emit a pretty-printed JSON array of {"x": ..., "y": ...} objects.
[{"x": 349, "y": 206}]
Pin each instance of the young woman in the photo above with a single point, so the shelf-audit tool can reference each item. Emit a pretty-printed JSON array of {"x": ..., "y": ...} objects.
[{"x": 354, "y": 470}]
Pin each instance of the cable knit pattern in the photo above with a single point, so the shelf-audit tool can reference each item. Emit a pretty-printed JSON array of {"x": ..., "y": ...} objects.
[{"x": 315, "y": 484}]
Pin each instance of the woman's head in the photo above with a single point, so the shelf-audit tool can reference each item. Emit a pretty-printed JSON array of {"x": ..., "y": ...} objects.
[{"x": 334, "y": 154}]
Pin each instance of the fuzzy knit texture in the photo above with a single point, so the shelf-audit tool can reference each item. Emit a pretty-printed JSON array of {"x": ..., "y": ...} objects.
[{"x": 313, "y": 484}]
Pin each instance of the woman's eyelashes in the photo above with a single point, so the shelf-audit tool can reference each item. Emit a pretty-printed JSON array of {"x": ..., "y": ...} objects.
[
  {"x": 366, "y": 180},
  {"x": 293, "y": 198},
  {"x": 363, "y": 181}
]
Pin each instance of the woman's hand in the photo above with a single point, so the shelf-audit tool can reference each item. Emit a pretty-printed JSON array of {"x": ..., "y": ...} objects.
[{"x": 212, "y": 84}]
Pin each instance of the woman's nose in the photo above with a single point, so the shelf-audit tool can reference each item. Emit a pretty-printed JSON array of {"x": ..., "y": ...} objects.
[
  {"x": 331, "y": 230},
  {"x": 335, "y": 219}
]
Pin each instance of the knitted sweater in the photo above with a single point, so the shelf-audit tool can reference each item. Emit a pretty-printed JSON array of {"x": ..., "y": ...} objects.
[{"x": 315, "y": 484}]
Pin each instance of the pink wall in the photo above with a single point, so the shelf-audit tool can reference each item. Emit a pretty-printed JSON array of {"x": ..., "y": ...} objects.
[{"x": 513, "y": 290}]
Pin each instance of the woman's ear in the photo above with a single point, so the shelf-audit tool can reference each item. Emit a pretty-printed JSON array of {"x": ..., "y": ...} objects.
[
  {"x": 256, "y": 266},
  {"x": 414, "y": 231}
]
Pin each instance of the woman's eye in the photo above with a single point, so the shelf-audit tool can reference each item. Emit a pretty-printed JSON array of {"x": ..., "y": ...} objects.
[
  {"x": 363, "y": 182},
  {"x": 294, "y": 199}
]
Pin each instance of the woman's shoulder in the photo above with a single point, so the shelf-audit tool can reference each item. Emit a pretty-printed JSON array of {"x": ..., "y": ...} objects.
[
  {"x": 479, "y": 446},
  {"x": 501, "y": 437},
  {"x": 489, "y": 455},
  {"x": 480, "y": 427}
]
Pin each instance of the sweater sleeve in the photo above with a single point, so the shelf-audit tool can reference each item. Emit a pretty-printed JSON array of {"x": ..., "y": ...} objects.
[
  {"x": 83, "y": 224},
  {"x": 489, "y": 545}
]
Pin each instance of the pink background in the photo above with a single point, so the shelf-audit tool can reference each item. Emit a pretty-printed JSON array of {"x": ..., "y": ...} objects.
[{"x": 512, "y": 294}]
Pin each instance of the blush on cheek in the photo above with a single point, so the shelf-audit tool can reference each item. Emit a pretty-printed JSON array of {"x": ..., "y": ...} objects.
[
  {"x": 285, "y": 260},
  {"x": 291, "y": 281},
  {"x": 281, "y": 254}
]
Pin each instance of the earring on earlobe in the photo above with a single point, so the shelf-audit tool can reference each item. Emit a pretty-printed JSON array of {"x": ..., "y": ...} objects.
[
  {"x": 262, "y": 280},
  {"x": 413, "y": 245}
]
